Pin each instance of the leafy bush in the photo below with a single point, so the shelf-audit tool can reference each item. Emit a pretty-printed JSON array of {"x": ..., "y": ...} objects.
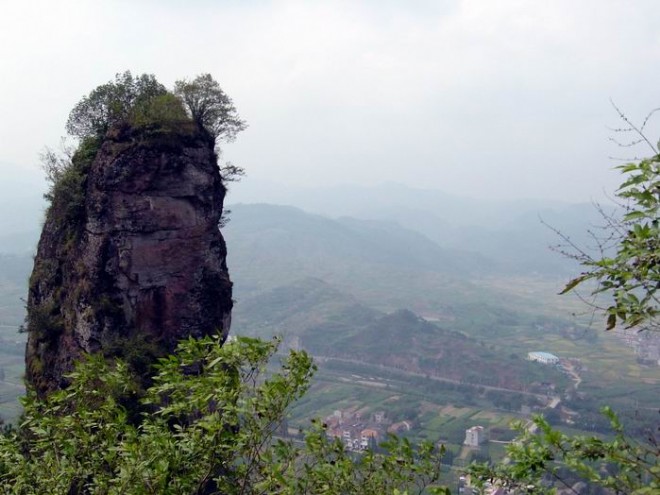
[
  {"x": 630, "y": 276},
  {"x": 210, "y": 107},
  {"x": 112, "y": 103},
  {"x": 209, "y": 424},
  {"x": 537, "y": 460},
  {"x": 162, "y": 110}
]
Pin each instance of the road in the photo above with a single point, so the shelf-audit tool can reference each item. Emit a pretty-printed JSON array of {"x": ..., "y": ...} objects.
[
  {"x": 423, "y": 375},
  {"x": 556, "y": 400},
  {"x": 570, "y": 369}
]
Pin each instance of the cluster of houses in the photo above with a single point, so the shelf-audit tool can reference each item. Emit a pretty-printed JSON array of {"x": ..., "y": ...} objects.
[
  {"x": 645, "y": 344},
  {"x": 359, "y": 433},
  {"x": 465, "y": 488}
]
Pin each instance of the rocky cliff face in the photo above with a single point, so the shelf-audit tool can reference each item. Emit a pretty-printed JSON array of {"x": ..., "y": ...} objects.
[{"x": 130, "y": 259}]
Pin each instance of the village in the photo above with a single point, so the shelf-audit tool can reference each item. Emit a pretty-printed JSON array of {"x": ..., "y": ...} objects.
[{"x": 359, "y": 433}]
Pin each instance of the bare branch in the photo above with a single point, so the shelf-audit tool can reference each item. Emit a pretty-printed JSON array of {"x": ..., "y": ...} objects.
[{"x": 638, "y": 131}]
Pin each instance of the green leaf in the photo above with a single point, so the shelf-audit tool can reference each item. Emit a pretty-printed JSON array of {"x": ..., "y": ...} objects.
[
  {"x": 611, "y": 321},
  {"x": 634, "y": 215},
  {"x": 573, "y": 283}
]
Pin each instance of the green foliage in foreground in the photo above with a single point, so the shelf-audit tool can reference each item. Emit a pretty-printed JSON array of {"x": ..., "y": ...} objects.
[
  {"x": 631, "y": 275},
  {"x": 538, "y": 461},
  {"x": 208, "y": 425}
]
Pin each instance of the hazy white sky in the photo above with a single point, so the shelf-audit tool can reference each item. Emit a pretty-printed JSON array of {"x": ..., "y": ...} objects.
[{"x": 506, "y": 98}]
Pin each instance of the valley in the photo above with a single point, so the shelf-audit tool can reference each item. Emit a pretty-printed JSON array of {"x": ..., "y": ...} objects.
[{"x": 405, "y": 329}]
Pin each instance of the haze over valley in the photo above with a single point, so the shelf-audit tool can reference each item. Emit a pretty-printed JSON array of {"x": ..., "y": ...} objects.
[
  {"x": 415, "y": 294},
  {"x": 451, "y": 208}
]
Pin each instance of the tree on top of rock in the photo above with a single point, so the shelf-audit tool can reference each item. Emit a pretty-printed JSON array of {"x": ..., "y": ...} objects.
[
  {"x": 112, "y": 103},
  {"x": 210, "y": 107},
  {"x": 140, "y": 100}
]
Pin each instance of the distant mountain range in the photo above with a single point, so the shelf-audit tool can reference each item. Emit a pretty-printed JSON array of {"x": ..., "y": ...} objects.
[
  {"x": 383, "y": 264},
  {"x": 509, "y": 236},
  {"x": 389, "y": 246},
  {"x": 514, "y": 234},
  {"x": 391, "y": 200}
]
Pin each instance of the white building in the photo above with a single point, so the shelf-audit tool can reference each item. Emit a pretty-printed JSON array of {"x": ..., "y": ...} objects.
[
  {"x": 475, "y": 436},
  {"x": 346, "y": 436},
  {"x": 543, "y": 357}
]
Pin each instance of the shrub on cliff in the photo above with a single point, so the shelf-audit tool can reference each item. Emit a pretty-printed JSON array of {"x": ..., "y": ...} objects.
[
  {"x": 113, "y": 103},
  {"x": 160, "y": 110},
  {"x": 210, "y": 106},
  {"x": 142, "y": 102},
  {"x": 213, "y": 426},
  {"x": 542, "y": 458}
]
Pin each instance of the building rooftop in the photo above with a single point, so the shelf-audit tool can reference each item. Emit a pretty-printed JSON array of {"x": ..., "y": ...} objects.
[{"x": 545, "y": 355}]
